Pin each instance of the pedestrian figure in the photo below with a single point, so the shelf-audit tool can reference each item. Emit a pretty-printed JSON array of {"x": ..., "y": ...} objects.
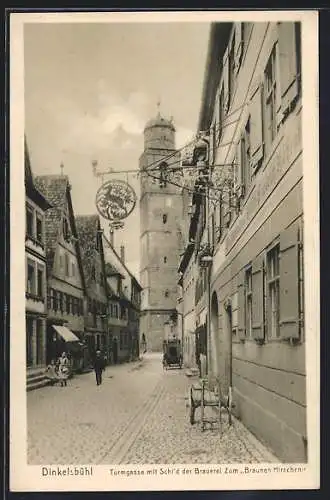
[
  {"x": 52, "y": 372},
  {"x": 144, "y": 343},
  {"x": 99, "y": 366},
  {"x": 63, "y": 369}
]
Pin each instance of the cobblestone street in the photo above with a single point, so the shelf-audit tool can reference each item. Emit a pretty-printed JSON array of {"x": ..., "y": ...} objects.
[{"x": 140, "y": 414}]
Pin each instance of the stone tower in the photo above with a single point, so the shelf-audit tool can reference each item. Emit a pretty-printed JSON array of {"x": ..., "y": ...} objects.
[{"x": 160, "y": 234}]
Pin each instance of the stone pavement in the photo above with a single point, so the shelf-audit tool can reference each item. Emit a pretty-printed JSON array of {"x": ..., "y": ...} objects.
[{"x": 139, "y": 415}]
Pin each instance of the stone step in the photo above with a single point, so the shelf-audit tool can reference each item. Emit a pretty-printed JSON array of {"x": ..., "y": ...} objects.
[
  {"x": 36, "y": 379},
  {"x": 32, "y": 385}
]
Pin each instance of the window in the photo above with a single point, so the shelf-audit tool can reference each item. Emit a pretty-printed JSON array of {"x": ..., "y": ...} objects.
[
  {"x": 40, "y": 283},
  {"x": 30, "y": 286},
  {"x": 245, "y": 156},
  {"x": 73, "y": 269},
  {"x": 67, "y": 263},
  {"x": 39, "y": 227},
  {"x": 248, "y": 302},
  {"x": 93, "y": 273},
  {"x": 166, "y": 293},
  {"x": 122, "y": 312},
  {"x": 165, "y": 260},
  {"x": 164, "y": 218},
  {"x": 29, "y": 221},
  {"x": 163, "y": 175},
  {"x": 64, "y": 304},
  {"x": 66, "y": 233},
  {"x": 55, "y": 300},
  {"x": 115, "y": 311},
  {"x": 273, "y": 282},
  {"x": 68, "y": 304},
  {"x": 270, "y": 99},
  {"x": 231, "y": 71}
]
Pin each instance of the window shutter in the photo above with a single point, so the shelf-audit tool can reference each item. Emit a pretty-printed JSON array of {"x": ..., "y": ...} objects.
[
  {"x": 278, "y": 99},
  {"x": 226, "y": 80},
  {"x": 238, "y": 46},
  {"x": 289, "y": 283},
  {"x": 258, "y": 298},
  {"x": 288, "y": 64},
  {"x": 256, "y": 129},
  {"x": 241, "y": 306}
]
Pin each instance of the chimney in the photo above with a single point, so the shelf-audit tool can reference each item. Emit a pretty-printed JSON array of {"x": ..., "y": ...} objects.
[
  {"x": 122, "y": 253},
  {"x": 111, "y": 236}
]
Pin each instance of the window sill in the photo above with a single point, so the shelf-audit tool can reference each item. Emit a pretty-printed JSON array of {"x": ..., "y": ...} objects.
[
  {"x": 35, "y": 298},
  {"x": 35, "y": 241}
]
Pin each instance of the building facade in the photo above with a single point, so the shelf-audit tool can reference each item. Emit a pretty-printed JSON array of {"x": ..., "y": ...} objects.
[
  {"x": 96, "y": 305},
  {"x": 252, "y": 105},
  {"x": 65, "y": 277},
  {"x": 160, "y": 231},
  {"x": 124, "y": 314},
  {"x": 35, "y": 261}
]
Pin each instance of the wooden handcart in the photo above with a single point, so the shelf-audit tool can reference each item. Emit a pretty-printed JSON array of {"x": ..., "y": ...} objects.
[{"x": 203, "y": 395}]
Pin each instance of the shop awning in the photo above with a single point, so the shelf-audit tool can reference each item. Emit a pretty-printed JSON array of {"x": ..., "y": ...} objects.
[{"x": 66, "y": 334}]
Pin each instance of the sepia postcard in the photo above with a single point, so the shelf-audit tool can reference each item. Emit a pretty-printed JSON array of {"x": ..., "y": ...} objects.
[{"x": 164, "y": 215}]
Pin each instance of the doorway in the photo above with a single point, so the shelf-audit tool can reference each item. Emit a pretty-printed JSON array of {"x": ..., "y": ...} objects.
[
  {"x": 228, "y": 345},
  {"x": 214, "y": 368},
  {"x": 115, "y": 350}
]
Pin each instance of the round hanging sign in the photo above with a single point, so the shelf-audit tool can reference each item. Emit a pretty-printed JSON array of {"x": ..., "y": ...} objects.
[{"x": 115, "y": 200}]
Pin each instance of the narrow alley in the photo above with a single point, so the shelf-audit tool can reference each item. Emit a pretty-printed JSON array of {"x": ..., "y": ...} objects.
[{"x": 139, "y": 415}]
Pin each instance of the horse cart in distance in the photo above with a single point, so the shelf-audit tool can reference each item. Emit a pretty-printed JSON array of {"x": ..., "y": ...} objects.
[{"x": 172, "y": 354}]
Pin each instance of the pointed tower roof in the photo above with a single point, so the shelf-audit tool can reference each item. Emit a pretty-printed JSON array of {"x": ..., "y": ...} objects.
[{"x": 159, "y": 121}]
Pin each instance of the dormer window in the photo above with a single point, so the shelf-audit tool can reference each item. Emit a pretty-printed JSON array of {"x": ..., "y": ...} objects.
[{"x": 66, "y": 231}]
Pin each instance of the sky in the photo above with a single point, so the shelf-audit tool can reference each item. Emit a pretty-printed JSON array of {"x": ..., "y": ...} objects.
[{"x": 89, "y": 90}]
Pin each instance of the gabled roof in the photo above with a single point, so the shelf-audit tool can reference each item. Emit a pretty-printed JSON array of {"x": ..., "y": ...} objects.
[
  {"x": 88, "y": 227},
  {"x": 135, "y": 281},
  {"x": 30, "y": 187},
  {"x": 54, "y": 188},
  {"x": 57, "y": 189}
]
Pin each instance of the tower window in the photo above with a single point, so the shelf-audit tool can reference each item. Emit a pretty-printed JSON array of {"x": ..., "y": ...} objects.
[{"x": 164, "y": 218}]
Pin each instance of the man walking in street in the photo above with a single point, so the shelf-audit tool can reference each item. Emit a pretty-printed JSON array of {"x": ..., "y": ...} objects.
[{"x": 99, "y": 366}]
